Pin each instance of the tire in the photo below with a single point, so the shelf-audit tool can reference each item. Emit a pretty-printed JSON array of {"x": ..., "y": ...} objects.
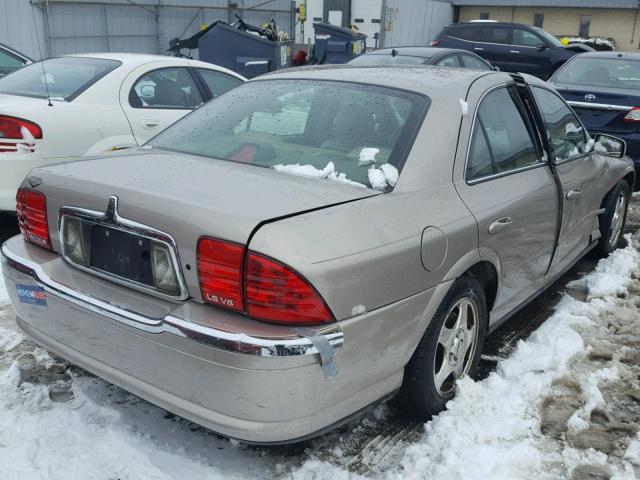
[
  {"x": 427, "y": 386},
  {"x": 613, "y": 219}
]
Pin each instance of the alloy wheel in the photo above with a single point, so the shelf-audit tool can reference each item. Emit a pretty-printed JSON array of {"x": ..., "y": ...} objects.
[{"x": 456, "y": 346}]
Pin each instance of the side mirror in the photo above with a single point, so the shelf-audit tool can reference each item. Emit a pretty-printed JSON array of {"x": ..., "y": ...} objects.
[
  {"x": 610, "y": 146},
  {"x": 541, "y": 47}
]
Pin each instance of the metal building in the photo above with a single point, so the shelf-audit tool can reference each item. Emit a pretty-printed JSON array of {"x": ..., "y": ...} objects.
[
  {"x": 396, "y": 22},
  {"x": 145, "y": 26}
]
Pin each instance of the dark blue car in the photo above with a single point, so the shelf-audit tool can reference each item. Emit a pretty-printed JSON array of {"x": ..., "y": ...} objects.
[
  {"x": 512, "y": 47},
  {"x": 604, "y": 90}
]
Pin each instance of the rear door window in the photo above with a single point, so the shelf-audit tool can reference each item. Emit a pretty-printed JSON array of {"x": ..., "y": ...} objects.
[
  {"x": 566, "y": 134},
  {"x": 324, "y": 129},
  {"x": 497, "y": 35},
  {"x": 501, "y": 139},
  {"x": 166, "y": 88},
  {"x": 218, "y": 82}
]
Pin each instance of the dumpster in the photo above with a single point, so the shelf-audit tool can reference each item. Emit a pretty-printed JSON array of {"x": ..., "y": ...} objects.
[
  {"x": 337, "y": 44},
  {"x": 245, "y": 49}
]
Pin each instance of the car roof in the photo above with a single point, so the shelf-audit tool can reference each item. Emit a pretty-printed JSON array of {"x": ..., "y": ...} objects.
[
  {"x": 133, "y": 60},
  {"x": 493, "y": 24},
  {"x": 417, "y": 51},
  {"x": 616, "y": 54},
  {"x": 424, "y": 79}
]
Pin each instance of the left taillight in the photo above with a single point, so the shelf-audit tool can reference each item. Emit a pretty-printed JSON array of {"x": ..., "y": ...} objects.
[
  {"x": 633, "y": 115},
  {"x": 12, "y": 128},
  {"x": 31, "y": 210},
  {"x": 220, "y": 272},
  {"x": 259, "y": 286}
]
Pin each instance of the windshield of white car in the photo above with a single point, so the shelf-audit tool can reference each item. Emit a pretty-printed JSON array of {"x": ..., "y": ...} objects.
[
  {"x": 600, "y": 72},
  {"x": 548, "y": 37},
  {"x": 388, "y": 59},
  {"x": 65, "y": 77},
  {"x": 342, "y": 131}
]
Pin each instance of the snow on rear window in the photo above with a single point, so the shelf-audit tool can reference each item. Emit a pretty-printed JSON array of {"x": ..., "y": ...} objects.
[{"x": 320, "y": 129}]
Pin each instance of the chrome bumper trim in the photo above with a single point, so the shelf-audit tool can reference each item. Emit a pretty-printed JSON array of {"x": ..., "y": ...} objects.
[
  {"x": 600, "y": 106},
  {"x": 228, "y": 341}
]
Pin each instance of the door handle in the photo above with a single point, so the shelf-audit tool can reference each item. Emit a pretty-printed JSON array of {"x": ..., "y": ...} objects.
[
  {"x": 576, "y": 192},
  {"x": 500, "y": 224},
  {"x": 478, "y": 49},
  {"x": 150, "y": 123},
  {"x": 514, "y": 51}
]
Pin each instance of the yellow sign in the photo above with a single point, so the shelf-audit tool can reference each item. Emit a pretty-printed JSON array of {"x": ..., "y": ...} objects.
[{"x": 302, "y": 12}]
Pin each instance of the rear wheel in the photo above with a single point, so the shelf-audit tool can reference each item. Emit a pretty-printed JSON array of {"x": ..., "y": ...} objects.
[
  {"x": 449, "y": 350},
  {"x": 613, "y": 219}
]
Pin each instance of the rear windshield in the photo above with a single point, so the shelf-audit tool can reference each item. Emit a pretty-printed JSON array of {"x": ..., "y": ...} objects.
[
  {"x": 601, "y": 72},
  {"x": 66, "y": 77},
  {"x": 388, "y": 59},
  {"x": 340, "y": 131}
]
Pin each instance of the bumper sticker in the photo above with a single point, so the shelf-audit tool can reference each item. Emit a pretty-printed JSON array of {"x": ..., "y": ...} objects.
[{"x": 32, "y": 294}]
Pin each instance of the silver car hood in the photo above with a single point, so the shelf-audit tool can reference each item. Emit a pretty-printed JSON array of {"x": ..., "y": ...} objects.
[{"x": 184, "y": 195}]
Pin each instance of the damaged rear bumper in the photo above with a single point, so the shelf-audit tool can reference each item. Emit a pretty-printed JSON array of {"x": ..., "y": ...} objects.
[{"x": 263, "y": 384}]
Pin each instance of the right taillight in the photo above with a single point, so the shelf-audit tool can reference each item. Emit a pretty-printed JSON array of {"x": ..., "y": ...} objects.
[
  {"x": 434, "y": 43},
  {"x": 260, "y": 286},
  {"x": 633, "y": 115},
  {"x": 276, "y": 293},
  {"x": 31, "y": 210}
]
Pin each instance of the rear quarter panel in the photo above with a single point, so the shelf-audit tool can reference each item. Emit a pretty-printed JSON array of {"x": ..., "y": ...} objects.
[{"x": 368, "y": 253}]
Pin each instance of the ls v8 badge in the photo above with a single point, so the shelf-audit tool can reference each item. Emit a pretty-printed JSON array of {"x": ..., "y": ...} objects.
[{"x": 32, "y": 295}]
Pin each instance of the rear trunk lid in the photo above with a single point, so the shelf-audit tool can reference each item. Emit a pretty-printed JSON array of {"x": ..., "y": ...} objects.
[
  {"x": 602, "y": 110},
  {"x": 187, "y": 196}
]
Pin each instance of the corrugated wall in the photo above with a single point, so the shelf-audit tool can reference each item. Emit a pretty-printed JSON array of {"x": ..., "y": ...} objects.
[
  {"x": 414, "y": 22},
  {"x": 143, "y": 26},
  {"x": 17, "y": 27}
]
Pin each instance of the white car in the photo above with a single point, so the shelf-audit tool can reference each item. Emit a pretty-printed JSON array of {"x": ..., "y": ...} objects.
[{"x": 95, "y": 103}]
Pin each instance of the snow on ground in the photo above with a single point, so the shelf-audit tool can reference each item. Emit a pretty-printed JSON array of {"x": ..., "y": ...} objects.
[{"x": 565, "y": 404}]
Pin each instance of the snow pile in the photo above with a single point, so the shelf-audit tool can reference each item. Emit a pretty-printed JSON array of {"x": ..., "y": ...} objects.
[
  {"x": 390, "y": 173},
  {"x": 464, "y": 107},
  {"x": 572, "y": 128},
  {"x": 329, "y": 172},
  {"x": 367, "y": 156},
  {"x": 503, "y": 427},
  {"x": 383, "y": 177},
  {"x": 377, "y": 179}
]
